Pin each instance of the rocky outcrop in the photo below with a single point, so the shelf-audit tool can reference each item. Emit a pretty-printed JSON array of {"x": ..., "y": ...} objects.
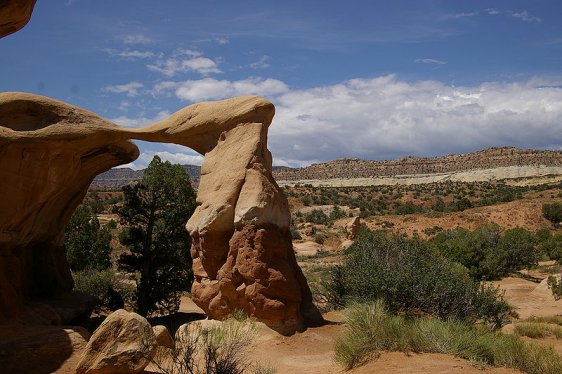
[
  {"x": 14, "y": 14},
  {"x": 242, "y": 253},
  {"x": 123, "y": 343},
  {"x": 49, "y": 153},
  {"x": 486, "y": 159},
  {"x": 352, "y": 227}
]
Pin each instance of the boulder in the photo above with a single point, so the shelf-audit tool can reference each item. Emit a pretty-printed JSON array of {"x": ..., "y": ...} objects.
[
  {"x": 163, "y": 337},
  {"x": 14, "y": 14},
  {"x": 123, "y": 343},
  {"x": 353, "y": 227}
]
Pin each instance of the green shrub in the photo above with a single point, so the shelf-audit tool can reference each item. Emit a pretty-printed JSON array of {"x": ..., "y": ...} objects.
[
  {"x": 97, "y": 282},
  {"x": 370, "y": 328},
  {"x": 552, "y": 212},
  {"x": 555, "y": 285},
  {"x": 317, "y": 216},
  {"x": 537, "y": 330},
  {"x": 412, "y": 278}
]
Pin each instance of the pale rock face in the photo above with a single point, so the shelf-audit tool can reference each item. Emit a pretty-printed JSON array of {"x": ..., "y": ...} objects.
[
  {"x": 123, "y": 343},
  {"x": 242, "y": 252}
]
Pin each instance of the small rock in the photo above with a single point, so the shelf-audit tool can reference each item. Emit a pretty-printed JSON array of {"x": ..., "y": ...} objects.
[{"x": 163, "y": 337}]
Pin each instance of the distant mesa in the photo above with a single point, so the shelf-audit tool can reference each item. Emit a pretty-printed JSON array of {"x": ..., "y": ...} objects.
[{"x": 354, "y": 168}]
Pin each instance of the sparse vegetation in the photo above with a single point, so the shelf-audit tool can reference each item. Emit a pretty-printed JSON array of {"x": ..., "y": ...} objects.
[
  {"x": 370, "y": 328},
  {"x": 98, "y": 282},
  {"x": 553, "y": 212},
  {"x": 411, "y": 278}
]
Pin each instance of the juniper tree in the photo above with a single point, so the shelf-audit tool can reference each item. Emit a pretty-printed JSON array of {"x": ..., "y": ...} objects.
[{"x": 153, "y": 215}]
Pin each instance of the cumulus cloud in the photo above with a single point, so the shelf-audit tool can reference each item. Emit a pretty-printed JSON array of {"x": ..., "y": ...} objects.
[
  {"x": 430, "y": 61},
  {"x": 140, "y": 121},
  {"x": 130, "y": 89},
  {"x": 213, "y": 89},
  {"x": 385, "y": 117}
]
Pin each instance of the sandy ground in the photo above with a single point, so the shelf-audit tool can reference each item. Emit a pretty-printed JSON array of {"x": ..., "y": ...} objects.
[
  {"x": 312, "y": 352},
  {"x": 520, "y": 213}
]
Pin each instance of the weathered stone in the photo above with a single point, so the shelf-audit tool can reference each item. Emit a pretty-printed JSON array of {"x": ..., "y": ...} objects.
[
  {"x": 163, "y": 337},
  {"x": 352, "y": 227},
  {"x": 14, "y": 14},
  {"x": 237, "y": 198},
  {"x": 123, "y": 343}
]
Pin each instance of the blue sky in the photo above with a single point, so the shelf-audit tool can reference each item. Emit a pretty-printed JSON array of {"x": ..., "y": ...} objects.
[{"x": 369, "y": 79}]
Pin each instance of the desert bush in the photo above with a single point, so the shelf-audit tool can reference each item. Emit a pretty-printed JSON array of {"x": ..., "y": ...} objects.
[
  {"x": 215, "y": 350},
  {"x": 552, "y": 212},
  {"x": 98, "y": 282},
  {"x": 336, "y": 213},
  {"x": 555, "y": 285},
  {"x": 486, "y": 253},
  {"x": 295, "y": 234},
  {"x": 317, "y": 216},
  {"x": 411, "y": 278},
  {"x": 370, "y": 328},
  {"x": 538, "y": 330},
  {"x": 319, "y": 238}
]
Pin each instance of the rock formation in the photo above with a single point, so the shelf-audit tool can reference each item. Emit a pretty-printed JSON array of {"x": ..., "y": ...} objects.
[
  {"x": 123, "y": 343},
  {"x": 49, "y": 153},
  {"x": 242, "y": 252},
  {"x": 352, "y": 227},
  {"x": 14, "y": 14}
]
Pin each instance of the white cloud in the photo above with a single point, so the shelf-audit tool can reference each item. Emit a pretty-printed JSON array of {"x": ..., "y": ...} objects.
[
  {"x": 131, "y": 89},
  {"x": 385, "y": 117},
  {"x": 522, "y": 15},
  {"x": 172, "y": 66},
  {"x": 209, "y": 89},
  {"x": 130, "y": 54},
  {"x": 183, "y": 158},
  {"x": 525, "y": 16},
  {"x": 261, "y": 63},
  {"x": 140, "y": 121},
  {"x": 136, "y": 39},
  {"x": 429, "y": 61}
]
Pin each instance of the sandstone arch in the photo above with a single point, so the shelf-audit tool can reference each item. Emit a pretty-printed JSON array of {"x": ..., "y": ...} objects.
[{"x": 243, "y": 257}]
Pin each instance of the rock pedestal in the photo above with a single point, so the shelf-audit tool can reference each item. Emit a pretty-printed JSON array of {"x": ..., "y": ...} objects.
[{"x": 242, "y": 252}]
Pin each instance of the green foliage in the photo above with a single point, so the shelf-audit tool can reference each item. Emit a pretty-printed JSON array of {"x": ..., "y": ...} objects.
[
  {"x": 412, "y": 278},
  {"x": 97, "y": 283},
  {"x": 371, "y": 329},
  {"x": 552, "y": 247},
  {"x": 336, "y": 213},
  {"x": 552, "y": 212},
  {"x": 87, "y": 243},
  {"x": 486, "y": 253},
  {"x": 555, "y": 285},
  {"x": 153, "y": 215},
  {"x": 317, "y": 216},
  {"x": 537, "y": 330}
]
